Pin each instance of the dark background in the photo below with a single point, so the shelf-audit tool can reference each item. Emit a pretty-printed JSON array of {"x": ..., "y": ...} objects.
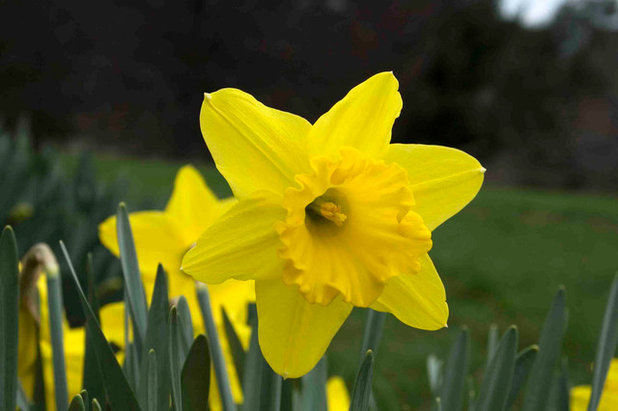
[{"x": 537, "y": 106}]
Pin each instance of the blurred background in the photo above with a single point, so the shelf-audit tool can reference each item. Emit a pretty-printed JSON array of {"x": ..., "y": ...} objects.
[{"x": 529, "y": 87}]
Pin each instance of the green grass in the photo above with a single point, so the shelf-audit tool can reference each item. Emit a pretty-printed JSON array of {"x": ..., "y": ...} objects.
[{"x": 501, "y": 259}]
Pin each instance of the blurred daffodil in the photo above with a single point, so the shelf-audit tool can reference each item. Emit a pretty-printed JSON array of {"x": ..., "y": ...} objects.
[
  {"x": 164, "y": 236},
  {"x": 580, "y": 395},
  {"x": 337, "y": 395},
  {"x": 329, "y": 216}
]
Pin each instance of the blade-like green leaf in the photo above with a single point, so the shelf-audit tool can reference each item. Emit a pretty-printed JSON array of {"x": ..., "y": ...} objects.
[
  {"x": 523, "y": 365},
  {"x": 95, "y": 405},
  {"x": 54, "y": 304},
  {"x": 131, "y": 367},
  {"x": 132, "y": 278},
  {"x": 186, "y": 325},
  {"x": 607, "y": 346},
  {"x": 157, "y": 338},
  {"x": 314, "y": 387},
  {"x": 150, "y": 381},
  {"x": 176, "y": 358},
  {"x": 9, "y": 306},
  {"x": 550, "y": 347},
  {"x": 497, "y": 380},
  {"x": 270, "y": 399},
  {"x": 434, "y": 374},
  {"x": 22, "y": 401},
  {"x": 195, "y": 378},
  {"x": 77, "y": 404},
  {"x": 216, "y": 353},
  {"x": 92, "y": 378},
  {"x": 362, "y": 386},
  {"x": 86, "y": 398},
  {"x": 560, "y": 391},
  {"x": 252, "y": 374},
  {"x": 119, "y": 393},
  {"x": 492, "y": 344},
  {"x": 372, "y": 334},
  {"x": 238, "y": 353},
  {"x": 262, "y": 388},
  {"x": 455, "y": 372}
]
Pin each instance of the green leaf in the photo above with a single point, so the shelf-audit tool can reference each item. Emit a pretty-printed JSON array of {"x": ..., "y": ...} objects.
[
  {"x": 607, "y": 346},
  {"x": 157, "y": 339},
  {"x": 85, "y": 397},
  {"x": 238, "y": 353},
  {"x": 455, "y": 372},
  {"x": 437, "y": 404},
  {"x": 314, "y": 387},
  {"x": 498, "y": 378},
  {"x": 95, "y": 405},
  {"x": 176, "y": 358},
  {"x": 288, "y": 394},
  {"x": 262, "y": 388},
  {"x": 372, "y": 334},
  {"x": 270, "y": 399},
  {"x": 132, "y": 278},
  {"x": 523, "y": 365},
  {"x": 560, "y": 391},
  {"x": 150, "y": 381},
  {"x": 361, "y": 393},
  {"x": 195, "y": 378},
  {"x": 492, "y": 344},
  {"x": 550, "y": 346},
  {"x": 22, "y": 401},
  {"x": 77, "y": 404},
  {"x": 119, "y": 393},
  {"x": 434, "y": 374},
  {"x": 9, "y": 315},
  {"x": 216, "y": 353},
  {"x": 252, "y": 374},
  {"x": 54, "y": 304},
  {"x": 92, "y": 378},
  {"x": 131, "y": 367},
  {"x": 186, "y": 325}
]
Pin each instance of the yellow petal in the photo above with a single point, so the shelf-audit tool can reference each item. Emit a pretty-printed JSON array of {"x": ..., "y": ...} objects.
[
  {"x": 418, "y": 300},
  {"x": 443, "y": 179},
  {"x": 157, "y": 240},
  {"x": 112, "y": 322},
  {"x": 294, "y": 334},
  {"x": 193, "y": 206},
  {"x": 363, "y": 119},
  {"x": 337, "y": 395},
  {"x": 242, "y": 244},
  {"x": 580, "y": 395},
  {"x": 254, "y": 147}
]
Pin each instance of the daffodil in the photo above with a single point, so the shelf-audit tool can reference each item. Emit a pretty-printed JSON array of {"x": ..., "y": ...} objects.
[
  {"x": 112, "y": 324},
  {"x": 329, "y": 216},
  {"x": 164, "y": 236},
  {"x": 337, "y": 396},
  {"x": 580, "y": 395}
]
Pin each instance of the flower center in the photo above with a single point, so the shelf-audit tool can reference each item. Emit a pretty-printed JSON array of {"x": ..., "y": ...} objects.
[
  {"x": 349, "y": 228},
  {"x": 327, "y": 213}
]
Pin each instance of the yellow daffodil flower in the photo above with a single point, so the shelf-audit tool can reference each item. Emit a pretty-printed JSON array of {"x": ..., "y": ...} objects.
[
  {"x": 329, "y": 216},
  {"x": 337, "y": 396},
  {"x": 112, "y": 324},
  {"x": 580, "y": 395},
  {"x": 164, "y": 236}
]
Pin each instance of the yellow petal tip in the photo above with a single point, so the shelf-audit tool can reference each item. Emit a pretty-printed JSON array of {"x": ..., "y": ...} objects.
[
  {"x": 483, "y": 169},
  {"x": 207, "y": 96}
]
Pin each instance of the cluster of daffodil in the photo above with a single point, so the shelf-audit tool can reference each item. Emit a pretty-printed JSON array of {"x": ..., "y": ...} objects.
[{"x": 325, "y": 217}]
